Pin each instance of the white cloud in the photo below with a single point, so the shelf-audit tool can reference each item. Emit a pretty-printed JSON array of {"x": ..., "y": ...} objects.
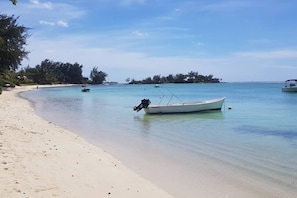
[
  {"x": 37, "y": 4},
  {"x": 35, "y": 1},
  {"x": 50, "y": 12},
  {"x": 58, "y": 23},
  {"x": 41, "y": 22},
  {"x": 62, "y": 23},
  {"x": 139, "y": 34},
  {"x": 120, "y": 63},
  {"x": 149, "y": 46}
]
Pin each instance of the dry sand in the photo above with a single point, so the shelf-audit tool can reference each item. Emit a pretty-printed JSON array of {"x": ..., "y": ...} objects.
[{"x": 40, "y": 159}]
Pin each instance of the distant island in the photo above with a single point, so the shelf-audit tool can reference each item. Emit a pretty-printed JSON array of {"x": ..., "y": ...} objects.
[{"x": 191, "y": 77}]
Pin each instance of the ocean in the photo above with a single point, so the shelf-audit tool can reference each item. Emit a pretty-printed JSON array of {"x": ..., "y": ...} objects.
[{"x": 253, "y": 137}]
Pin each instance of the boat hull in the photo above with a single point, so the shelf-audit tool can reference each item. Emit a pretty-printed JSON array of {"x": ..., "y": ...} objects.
[
  {"x": 290, "y": 86},
  {"x": 289, "y": 89},
  {"x": 191, "y": 107},
  {"x": 85, "y": 90}
]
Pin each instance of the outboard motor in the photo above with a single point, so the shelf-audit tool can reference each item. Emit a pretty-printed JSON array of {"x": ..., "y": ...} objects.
[{"x": 144, "y": 104}]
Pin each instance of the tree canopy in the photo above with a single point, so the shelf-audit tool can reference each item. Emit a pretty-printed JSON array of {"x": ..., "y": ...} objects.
[
  {"x": 97, "y": 77},
  {"x": 13, "y": 38},
  {"x": 14, "y": 2},
  {"x": 191, "y": 77},
  {"x": 53, "y": 72}
]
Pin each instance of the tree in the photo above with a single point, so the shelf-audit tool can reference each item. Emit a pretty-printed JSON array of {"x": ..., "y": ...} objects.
[
  {"x": 12, "y": 41},
  {"x": 14, "y": 2},
  {"x": 179, "y": 78},
  {"x": 191, "y": 77},
  {"x": 74, "y": 72},
  {"x": 170, "y": 78},
  {"x": 32, "y": 74},
  {"x": 147, "y": 80},
  {"x": 54, "y": 72},
  {"x": 157, "y": 78},
  {"x": 98, "y": 77},
  {"x": 127, "y": 80}
]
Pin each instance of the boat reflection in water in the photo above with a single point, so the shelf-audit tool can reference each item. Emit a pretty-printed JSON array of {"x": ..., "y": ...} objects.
[{"x": 187, "y": 121}]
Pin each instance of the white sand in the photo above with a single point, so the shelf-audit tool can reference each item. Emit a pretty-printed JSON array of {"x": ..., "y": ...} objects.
[{"x": 40, "y": 159}]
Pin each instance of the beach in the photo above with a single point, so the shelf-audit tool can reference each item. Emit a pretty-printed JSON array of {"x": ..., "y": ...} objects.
[{"x": 40, "y": 159}]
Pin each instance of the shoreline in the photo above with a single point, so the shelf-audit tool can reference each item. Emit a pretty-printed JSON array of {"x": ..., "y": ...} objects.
[{"x": 41, "y": 159}]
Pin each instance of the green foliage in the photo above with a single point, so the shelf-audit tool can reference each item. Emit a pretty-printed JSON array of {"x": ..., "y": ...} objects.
[
  {"x": 12, "y": 41},
  {"x": 49, "y": 72},
  {"x": 8, "y": 78},
  {"x": 6, "y": 83},
  {"x": 97, "y": 77},
  {"x": 14, "y": 2},
  {"x": 191, "y": 77}
]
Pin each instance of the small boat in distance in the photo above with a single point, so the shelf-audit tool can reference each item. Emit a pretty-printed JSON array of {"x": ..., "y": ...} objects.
[
  {"x": 290, "y": 85},
  {"x": 188, "y": 107},
  {"x": 85, "y": 89}
]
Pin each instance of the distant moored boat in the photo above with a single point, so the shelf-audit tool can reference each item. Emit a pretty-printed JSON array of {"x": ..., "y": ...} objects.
[
  {"x": 290, "y": 85},
  {"x": 84, "y": 88}
]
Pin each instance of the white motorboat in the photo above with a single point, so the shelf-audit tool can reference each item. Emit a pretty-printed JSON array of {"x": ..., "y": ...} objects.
[
  {"x": 290, "y": 85},
  {"x": 188, "y": 107}
]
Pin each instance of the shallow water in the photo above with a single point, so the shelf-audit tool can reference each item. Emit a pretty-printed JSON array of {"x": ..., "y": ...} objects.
[{"x": 258, "y": 135}]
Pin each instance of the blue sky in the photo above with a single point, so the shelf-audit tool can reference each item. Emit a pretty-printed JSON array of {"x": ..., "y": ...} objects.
[{"x": 236, "y": 40}]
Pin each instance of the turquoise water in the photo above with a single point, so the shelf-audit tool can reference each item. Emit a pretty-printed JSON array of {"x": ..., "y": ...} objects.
[{"x": 258, "y": 135}]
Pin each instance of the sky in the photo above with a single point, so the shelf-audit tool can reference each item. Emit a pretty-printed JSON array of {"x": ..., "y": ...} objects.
[{"x": 233, "y": 40}]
